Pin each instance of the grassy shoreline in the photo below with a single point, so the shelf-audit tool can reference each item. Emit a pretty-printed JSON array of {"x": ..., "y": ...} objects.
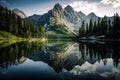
[
  {"x": 23, "y": 39},
  {"x": 6, "y": 42},
  {"x": 8, "y": 37}
]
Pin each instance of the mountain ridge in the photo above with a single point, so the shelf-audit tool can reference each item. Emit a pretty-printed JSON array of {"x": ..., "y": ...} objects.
[{"x": 62, "y": 16}]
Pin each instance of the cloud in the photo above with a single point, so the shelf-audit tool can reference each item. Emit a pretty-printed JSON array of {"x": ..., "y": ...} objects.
[
  {"x": 85, "y": 68},
  {"x": 99, "y": 7},
  {"x": 84, "y": 6},
  {"x": 114, "y": 3},
  {"x": 88, "y": 0}
]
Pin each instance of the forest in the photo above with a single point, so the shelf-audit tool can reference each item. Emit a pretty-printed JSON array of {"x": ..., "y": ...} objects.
[
  {"x": 104, "y": 28},
  {"x": 14, "y": 24}
]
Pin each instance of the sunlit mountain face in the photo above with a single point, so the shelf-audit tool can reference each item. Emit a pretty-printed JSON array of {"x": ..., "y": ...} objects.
[{"x": 60, "y": 61}]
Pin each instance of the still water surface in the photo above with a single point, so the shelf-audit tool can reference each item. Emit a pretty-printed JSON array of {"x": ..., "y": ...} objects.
[{"x": 60, "y": 61}]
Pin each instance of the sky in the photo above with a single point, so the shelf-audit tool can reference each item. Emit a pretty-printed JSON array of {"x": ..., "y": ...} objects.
[{"x": 99, "y": 7}]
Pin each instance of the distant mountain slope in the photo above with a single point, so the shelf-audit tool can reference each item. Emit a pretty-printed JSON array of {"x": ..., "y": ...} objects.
[
  {"x": 92, "y": 16},
  {"x": 34, "y": 18}
]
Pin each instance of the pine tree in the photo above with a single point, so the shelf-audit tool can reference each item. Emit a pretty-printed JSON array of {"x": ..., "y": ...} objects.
[
  {"x": 98, "y": 31},
  {"x": 82, "y": 30},
  {"x": 6, "y": 20},
  {"x": 90, "y": 27},
  {"x": 109, "y": 30},
  {"x": 94, "y": 28},
  {"x": 19, "y": 27},
  {"x": 87, "y": 30},
  {"x": 116, "y": 27}
]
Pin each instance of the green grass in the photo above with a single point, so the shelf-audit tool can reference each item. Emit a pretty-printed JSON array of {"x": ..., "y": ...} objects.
[
  {"x": 7, "y": 39},
  {"x": 5, "y": 35}
]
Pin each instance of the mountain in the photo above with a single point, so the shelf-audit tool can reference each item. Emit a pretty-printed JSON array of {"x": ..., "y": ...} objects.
[
  {"x": 19, "y": 13},
  {"x": 70, "y": 14},
  {"x": 55, "y": 17},
  {"x": 34, "y": 18},
  {"x": 75, "y": 18},
  {"x": 92, "y": 16},
  {"x": 68, "y": 18}
]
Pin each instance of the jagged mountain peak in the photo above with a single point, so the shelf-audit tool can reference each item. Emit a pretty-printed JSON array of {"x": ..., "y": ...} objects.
[
  {"x": 91, "y": 14},
  {"x": 19, "y": 13},
  {"x": 69, "y": 8},
  {"x": 58, "y": 6},
  {"x": 81, "y": 13}
]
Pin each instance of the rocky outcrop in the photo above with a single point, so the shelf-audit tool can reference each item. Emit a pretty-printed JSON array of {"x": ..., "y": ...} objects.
[{"x": 19, "y": 13}]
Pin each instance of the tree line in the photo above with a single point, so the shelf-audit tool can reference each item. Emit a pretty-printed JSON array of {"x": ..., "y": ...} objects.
[
  {"x": 108, "y": 28},
  {"x": 12, "y": 23}
]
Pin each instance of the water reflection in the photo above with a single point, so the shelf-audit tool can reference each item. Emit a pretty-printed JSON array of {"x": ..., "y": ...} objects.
[
  {"x": 61, "y": 61},
  {"x": 101, "y": 52},
  {"x": 17, "y": 53}
]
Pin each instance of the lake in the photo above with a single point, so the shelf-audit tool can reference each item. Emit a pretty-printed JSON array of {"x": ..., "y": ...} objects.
[{"x": 60, "y": 60}]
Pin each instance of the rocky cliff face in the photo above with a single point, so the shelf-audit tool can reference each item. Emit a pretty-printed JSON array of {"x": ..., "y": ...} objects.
[
  {"x": 55, "y": 17},
  {"x": 19, "y": 13},
  {"x": 75, "y": 18},
  {"x": 59, "y": 16}
]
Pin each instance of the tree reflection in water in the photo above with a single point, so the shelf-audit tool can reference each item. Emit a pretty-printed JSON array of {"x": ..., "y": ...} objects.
[{"x": 77, "y": 59}]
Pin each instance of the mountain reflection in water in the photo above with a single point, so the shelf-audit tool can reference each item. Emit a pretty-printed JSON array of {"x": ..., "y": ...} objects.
[{"x": 60, "y": 61}]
